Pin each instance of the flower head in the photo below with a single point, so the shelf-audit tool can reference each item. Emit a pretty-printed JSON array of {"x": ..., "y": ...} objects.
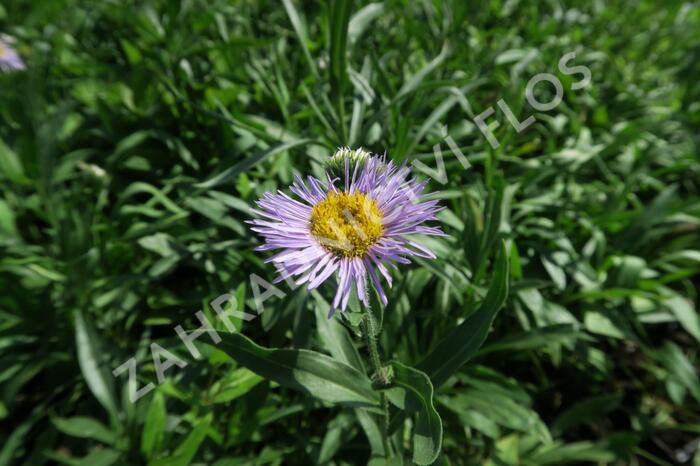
[
  {"x": 336, "y": 164},
  {"x": 353, "y": 224},
  {"x": 9, "y": 58}
]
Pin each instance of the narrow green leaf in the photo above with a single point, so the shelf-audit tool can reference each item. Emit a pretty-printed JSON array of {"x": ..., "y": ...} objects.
[
  {"x": 686, "y": 315},
  {"x": 187, "y": 450},
  {"x": 415, "y": 81},
  {"x": 154, "y": 427},
  {"x": 302, "y": 35},
  {"x": 340, "y": 344},
  {"x": 361, "y": 20},
  {"x": 15, "y": 441},
  {"x": 369, "y": 424},
  {"x": 85, "y": 427},
  {"x": 335, "y": 337},
  {"x": 465, "y": 340},
  {"x": 236, "y": 384},
  {"x": 492, "y": 225},
  {"x": 232, "y": 172},
  {"x": 339, "y": 20},
  {"x": 604, "y": 451},
  {"x": 139, "y": 187},
  {"x": 470, "y": 239},
  {"x": 91, "y": 364},
  {"x": 11, "y": 165},
  {"x": 672, "y": 357},
  {"x": 535, "y": 338},
  {"x": 590, "y": 409},
  {"x": 101, "y": 457},
  {"x": 338, "y": 433},
  {"x": 501, "y": 409},
  {"x": 418, "y": 396},
  {"x": 8, "y": 224},
  {"x": 313, "y": 373}
]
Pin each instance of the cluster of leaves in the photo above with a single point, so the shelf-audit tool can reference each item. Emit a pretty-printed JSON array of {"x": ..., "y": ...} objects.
[{"x": 133, "y": 147}]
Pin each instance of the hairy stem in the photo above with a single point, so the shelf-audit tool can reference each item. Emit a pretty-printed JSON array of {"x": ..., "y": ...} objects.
[{"x": 379, "y": 374}]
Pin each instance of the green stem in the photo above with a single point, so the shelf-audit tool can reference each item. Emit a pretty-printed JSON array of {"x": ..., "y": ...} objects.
[
  {"x": 379, "y": 374},
  {"x": 341, "y": 117},
  {"x": 371, "y": 339}
]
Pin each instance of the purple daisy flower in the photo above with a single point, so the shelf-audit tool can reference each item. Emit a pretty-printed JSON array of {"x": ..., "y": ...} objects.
[
  {"x": 356, "y": 223},
  {"x": 9, "y": 58}
]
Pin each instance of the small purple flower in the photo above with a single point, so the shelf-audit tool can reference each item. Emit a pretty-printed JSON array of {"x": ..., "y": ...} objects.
[
  {"x": 9, "y": 58},
  {"x": 356, "y": 223}
]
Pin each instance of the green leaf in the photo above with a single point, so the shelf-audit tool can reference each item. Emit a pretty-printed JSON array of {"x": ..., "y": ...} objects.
[
  {"x": 11, "y": 165},
  {"x": 139, "y": 187},
  {"x": 471, "y": 240},
  {"x": 492, "y": 223},
  {"x": 90, "y": 359},
  {"x": 236, "y": 384},
  {"x": 599, "y": 323},
  {"x": 185, "y": 453},
  {"x": 535, "y": 338},
  {"x": 466, "y": 339},
  {"x": 339, "y": 343},
  {"x": 301, "y": 32},
  {"x": 310, "y": 372},
  {"x": 338, "y": 433},
  {"x": 686, "y": 315},
  {"x": 586, "y": 410},
  {"x": 369, "y": 424},
  {"x": 339, "y": 20},
  {"x": 417, "y": 395},
  {"x": 85, "y": 427},
  {"x": 361, "y": 20},
  {"x": 604, "y": 451},
  {"x": 101, "y": 457},
  {"x": 500, "y": 409},
  {"x": 8, "y": 225},
  {"x": 410, "y": 85},
  {"x": 672, "y": 357},
  {"x": 626, "y": 273},
  {"x": 335, "y": 337},
  {"x": 15, "y": 441},
  {"x": 231, "y": 173},
  {"x": 154, "y": 427}
]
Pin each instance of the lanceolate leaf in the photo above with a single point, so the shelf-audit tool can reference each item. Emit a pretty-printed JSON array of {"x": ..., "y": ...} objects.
[
  {"x": 534, "y": 338},
  {"x": 154, "y": 427},
  {"x": 339, "y": 343},
  {"x": 85, "y": 427},
  {"x": 339, "y": 19},
  {"x": 418, "y": 396},
  {"x": 246, "y": 164},
  {"x": 91, "y": 364},
  {"x": 301, "y": 32},
  {"x": 334, "y": 336},
  {"x": 313, "y": 373},
  {"x": 678, "y": 365},
  {"x": 464, "y": 341},
  {"x": 185, "y": 453}
]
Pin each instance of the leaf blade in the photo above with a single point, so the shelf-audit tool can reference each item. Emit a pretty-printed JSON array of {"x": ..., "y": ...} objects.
[
  {"x": 310, "y": 372},
  {"x": 427, "y": 432},
  {"x": 465, "y": 340}
]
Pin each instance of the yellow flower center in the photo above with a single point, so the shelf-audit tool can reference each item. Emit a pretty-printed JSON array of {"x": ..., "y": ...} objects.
[{"x": 347, "y": 224}]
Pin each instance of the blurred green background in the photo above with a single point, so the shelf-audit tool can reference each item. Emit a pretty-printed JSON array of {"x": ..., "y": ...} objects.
[{"x": 138, "y": 138}]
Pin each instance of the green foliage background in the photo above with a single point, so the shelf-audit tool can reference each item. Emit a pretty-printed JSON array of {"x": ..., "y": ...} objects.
[{"x": 133, "y": 146}]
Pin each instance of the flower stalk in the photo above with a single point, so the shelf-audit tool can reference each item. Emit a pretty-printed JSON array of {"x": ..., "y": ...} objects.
[{"x": 381, "y": 374}]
